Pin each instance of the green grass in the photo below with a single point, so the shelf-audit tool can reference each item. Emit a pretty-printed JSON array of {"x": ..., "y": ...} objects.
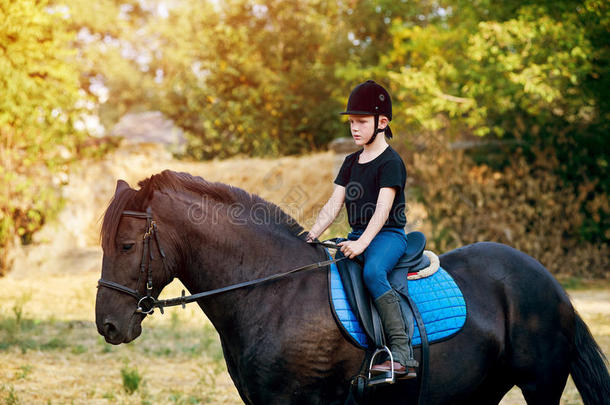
[
  {"x": 572, "y": 283},
  {"x": 32, "y": 334},
  {"x": 15, "y": 328},
  {"x": 54, "y": 344},
  {"x": 171, "y": 339},
  {"x": 78, "y": 349},
  {"x": 109, "y": 396},
  {"x": 9, "y": 396},
  {"x": 180, "y": 398},
  {"x": 24, "y": 372},
  {"x": 131, "y": 379}
]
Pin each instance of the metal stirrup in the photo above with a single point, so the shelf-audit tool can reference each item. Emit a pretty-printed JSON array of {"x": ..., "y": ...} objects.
[{"x": 391, "y": 379}]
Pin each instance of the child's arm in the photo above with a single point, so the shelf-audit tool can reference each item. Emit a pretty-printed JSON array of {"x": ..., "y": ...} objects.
[
  {"x": 328, "y": 213},
  {"x": 385, "y": 199}
]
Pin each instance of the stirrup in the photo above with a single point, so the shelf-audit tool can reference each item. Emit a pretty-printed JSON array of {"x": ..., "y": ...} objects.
[{"x": 387, "y": 377}]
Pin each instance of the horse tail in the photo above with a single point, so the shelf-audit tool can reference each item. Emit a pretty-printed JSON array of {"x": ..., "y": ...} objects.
[{"x": 588, "y": 367}]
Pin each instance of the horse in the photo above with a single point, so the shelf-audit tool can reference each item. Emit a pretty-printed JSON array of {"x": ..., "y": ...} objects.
[{"x": 280, "y": 341}]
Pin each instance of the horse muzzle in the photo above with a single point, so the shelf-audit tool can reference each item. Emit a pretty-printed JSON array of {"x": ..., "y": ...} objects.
[{"x": 116, "y": 333}]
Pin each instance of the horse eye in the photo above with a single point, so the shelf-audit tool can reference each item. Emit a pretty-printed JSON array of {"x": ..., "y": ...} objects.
[{"x": 127, "y": 246}]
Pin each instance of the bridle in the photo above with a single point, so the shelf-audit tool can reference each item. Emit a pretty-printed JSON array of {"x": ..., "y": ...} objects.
[{"x": 147, "y": 303}]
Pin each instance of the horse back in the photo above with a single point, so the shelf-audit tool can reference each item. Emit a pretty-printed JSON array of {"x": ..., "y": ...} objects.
[{"x": 506, "y": 275}]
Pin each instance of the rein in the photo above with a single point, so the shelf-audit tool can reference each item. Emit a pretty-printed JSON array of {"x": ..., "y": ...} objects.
[{"x": 147, "y": 303}]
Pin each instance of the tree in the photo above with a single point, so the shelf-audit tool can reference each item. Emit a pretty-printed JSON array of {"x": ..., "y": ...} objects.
[
  {"x": 38, "y": 113},
  {"x": 252, "y": 78},
  {"x": 115, "y": 42},
  {"x": 241, "y": 77}
]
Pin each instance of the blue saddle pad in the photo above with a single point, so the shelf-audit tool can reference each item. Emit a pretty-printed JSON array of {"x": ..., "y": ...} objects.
[{"x": 437, "y": 297}]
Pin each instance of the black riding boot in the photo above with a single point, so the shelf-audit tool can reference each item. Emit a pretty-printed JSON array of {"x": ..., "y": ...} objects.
[{"x": 388, "y": 306}]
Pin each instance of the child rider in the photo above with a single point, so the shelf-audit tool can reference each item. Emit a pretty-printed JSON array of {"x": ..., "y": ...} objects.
[{"x": 371, "y": 182}]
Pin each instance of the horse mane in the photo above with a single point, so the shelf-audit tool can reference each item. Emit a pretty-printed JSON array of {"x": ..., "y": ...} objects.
[{"x": 130, "y": 199}]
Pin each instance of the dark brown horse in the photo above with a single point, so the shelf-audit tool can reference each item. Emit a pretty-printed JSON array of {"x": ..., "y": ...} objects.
[{"x": 280, "y": 341}]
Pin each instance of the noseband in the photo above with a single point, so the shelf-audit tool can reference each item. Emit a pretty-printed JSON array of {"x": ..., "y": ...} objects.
[{"x": 147, "y": 303}]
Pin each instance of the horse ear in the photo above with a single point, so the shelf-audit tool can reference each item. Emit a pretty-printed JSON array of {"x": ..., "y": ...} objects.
[{"x": 120, "y": 186}]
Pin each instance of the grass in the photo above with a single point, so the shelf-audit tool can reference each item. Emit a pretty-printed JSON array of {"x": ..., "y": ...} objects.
[
  {"x": 131, "y": 379},
  {"x": 24, "y": 371},
  {"x": 575, "y": 283},
  {"x": 177, "y": 359},
  {"x": 9, "y": 396}
]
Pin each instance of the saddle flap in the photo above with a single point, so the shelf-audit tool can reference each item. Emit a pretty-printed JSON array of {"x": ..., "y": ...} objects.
[{"x": 359, "y": 298}]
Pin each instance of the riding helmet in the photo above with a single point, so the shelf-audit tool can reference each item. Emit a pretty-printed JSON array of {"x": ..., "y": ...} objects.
[{"x": 370, "y": 98}]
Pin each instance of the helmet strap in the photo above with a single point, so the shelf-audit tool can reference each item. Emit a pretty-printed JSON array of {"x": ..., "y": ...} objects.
[{"x": 375, "y": 131}]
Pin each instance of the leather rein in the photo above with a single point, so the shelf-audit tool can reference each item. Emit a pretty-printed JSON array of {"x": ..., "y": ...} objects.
[{"x": 147, "y": 303}]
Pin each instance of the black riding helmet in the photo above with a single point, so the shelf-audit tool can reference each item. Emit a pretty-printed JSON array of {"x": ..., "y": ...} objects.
[{"x": 370, "y": 98}]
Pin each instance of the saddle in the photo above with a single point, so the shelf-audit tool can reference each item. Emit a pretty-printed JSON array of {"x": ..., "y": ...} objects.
[{"x": 361, "y": 302}]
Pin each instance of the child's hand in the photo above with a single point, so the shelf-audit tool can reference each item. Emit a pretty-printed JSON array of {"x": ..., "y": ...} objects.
[
  {"x": 352, "y": 248},
  {"x": 310, "y": 237}
]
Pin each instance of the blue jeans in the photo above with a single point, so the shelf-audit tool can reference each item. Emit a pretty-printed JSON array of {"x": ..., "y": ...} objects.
[{"x": 380, "y": 257}]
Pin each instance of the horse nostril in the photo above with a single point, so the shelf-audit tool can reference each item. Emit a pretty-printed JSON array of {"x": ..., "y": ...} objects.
[{"x": 109, "y": 329}]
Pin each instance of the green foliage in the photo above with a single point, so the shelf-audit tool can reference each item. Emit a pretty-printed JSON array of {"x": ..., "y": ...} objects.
[
  {"x": 241, "y": 77},
  {"x": 38, "y": 110},
  {"x": 252, "y": 78},
  {"x": 114, "y": 43},
  {"x": 267, "y": 78},
  {"x": 131, "y": 379},
  {"x": 500, "y": 78}
]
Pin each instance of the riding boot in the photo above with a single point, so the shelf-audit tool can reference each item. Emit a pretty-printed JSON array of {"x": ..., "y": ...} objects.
[{"x": 388, "y": 306}]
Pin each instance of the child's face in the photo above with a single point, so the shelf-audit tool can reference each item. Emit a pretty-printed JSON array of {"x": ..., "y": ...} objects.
[{"x": 361, "y": 127}]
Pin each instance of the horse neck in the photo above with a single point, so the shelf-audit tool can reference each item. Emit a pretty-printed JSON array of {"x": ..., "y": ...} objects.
[{"x": 220, "y": 253}]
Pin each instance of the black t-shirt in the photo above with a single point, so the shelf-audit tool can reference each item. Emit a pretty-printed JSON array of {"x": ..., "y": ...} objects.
[{"x": 363, "y": 181}]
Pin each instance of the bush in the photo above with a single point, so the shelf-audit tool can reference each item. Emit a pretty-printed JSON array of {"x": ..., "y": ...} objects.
[{"x": 526, "y": 206}]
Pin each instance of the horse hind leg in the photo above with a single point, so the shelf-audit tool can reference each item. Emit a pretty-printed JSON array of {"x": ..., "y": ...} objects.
[
  {"x": 542, "y": 395},
  {"x": 547, "y": 388},
  {"x": 543, "y": 377},
  {"x": 491, "y": 391}
]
